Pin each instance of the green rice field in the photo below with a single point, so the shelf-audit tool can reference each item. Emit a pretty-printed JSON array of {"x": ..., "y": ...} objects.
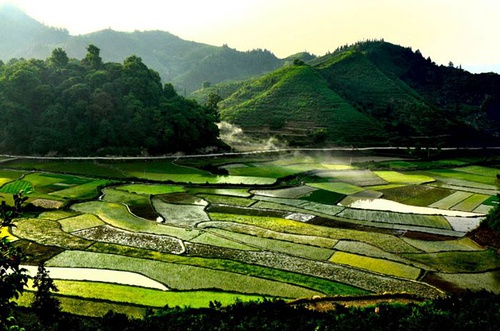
[{"x": 272, "y": 228}]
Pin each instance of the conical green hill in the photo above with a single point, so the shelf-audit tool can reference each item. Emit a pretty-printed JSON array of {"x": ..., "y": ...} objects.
[{"x": 296, "y": 104}]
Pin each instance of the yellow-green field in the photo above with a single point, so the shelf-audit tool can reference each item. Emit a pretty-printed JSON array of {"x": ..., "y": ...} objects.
[{"x": 272, "y": 228}]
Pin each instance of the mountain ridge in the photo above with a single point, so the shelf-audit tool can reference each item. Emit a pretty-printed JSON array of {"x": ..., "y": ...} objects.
[
  {"x": 411, "y": 98},
  {"x": 186, "y": 64}
]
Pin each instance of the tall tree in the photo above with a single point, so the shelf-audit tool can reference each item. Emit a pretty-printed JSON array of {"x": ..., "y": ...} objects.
[
  {"x": 59, "y": 58},
  {"x": 44, "y": 304},
  {"x": 13, "y": 278},
  {"x": 92, "y": 58}
]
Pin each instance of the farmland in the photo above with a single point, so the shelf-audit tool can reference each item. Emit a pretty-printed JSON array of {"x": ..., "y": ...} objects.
[{"x": 276, "y": 226}]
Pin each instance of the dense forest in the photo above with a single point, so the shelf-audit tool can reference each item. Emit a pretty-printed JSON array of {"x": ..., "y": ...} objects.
[{"x": 88, "y": 107}]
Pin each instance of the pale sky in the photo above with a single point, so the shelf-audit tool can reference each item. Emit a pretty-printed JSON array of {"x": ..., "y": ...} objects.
[{"x": 466, "y": 32}]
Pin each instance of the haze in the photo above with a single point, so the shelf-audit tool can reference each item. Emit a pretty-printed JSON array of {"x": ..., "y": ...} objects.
[{"x": 462, "y": 31}]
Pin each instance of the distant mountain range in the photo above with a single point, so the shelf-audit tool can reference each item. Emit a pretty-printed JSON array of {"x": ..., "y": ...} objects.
[
  {"x": 186, "y": 64},
  {"x": 368, "y": 93}
]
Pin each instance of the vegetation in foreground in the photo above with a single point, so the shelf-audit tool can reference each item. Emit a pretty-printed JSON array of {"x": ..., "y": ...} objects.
[{"x": 468, "y": 311}]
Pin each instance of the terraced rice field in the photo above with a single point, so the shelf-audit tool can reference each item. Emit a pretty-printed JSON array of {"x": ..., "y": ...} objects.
[{"x": 282, "y": 226}]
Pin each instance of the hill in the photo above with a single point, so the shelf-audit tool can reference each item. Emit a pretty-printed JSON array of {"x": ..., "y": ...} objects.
[
  {"x": 185, "y": 64},
  {"x": 369, "y": 93},
  {"x": 296, "y": 103},
  {"x": 23, "y": 36},
  {"x": 89, "y": 107}
]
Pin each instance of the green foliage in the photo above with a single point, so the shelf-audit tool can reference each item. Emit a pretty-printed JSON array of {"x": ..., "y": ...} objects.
[
  {"x": 44, "y": 304},
  {"x": 492, "y": 220},
  {"x": 12, "y": 277},
  {"x": 407, "y": 100},
  {"x": 91, "y": 107},
  {"x": 296, "y": 101},
  {"x": 461, "y": 312},
  {"x": 17, "y": 186}
]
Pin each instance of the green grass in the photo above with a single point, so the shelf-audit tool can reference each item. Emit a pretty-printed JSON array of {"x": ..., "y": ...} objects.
[
  {"x": 357, "y": 177},
  {"x": 56, "y": 214},
  {"x": 213, "y": 239},
  {"x": 151, "y": 189},
  {"x": 431, "y": 221},
  {"x": 463, "y": 261},
  {"x": 289, "y": 193},
  {"x": 83, "y": 191},
  {"x": 17, "y": 186},
  {"x": 85, "y": 168},
  {"x": 305, "y": 251},
  {"x": 9, "y": 175},
  {"x": 377, "y": 265},
  {"x": 265, "y": 233},
  {"x": 148, "y": 297},
  {"x": 88, "y": 307},
  {"x": 338, "y": 187},
  {"x": 271, "y": 171},
  {"x": 118, "y": 216},
  {"x": 484, "y": 177},
  {"x": 226, "y": 200},
  {"x": 479, "y": 170},
  {"x": 180, "y": 277},
  {"x": 386, "y": 242},
  {"x": 126, "y": 197},
  {"x": 416, "y": 165},
  {"x": 323, "y": 196},
  {"x": 365, "y": 249},
  {"x": 277, "y": 207},
  {"x": 305, "y": 206},
  {"x": 180, "y": 215},
  {"x": 491, "y": 201},
  {"x": 47, "y": 232},
  {"x": 318, "y": 284},
  {"x": 416, "y": 195},
  {"x": 461, "y": 244},
  {"x": 451, "y": 200},
  {"x": 471, "y": 203},
  {"x": 407, "y": 178},
  {"x": 79, "y": 222},
  {"x": 237, "y": 192},
  {"x": 297, "y": 93}
]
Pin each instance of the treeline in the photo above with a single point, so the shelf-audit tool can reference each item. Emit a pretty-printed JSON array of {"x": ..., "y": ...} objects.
[
  {"x": 468, "y": 311},
  {"x": 88, "y": 107}
]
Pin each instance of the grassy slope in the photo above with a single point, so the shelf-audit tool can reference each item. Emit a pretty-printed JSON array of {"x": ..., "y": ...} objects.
[
  {"x": 298, "y": 94},
  {"x": 341, "y": 91},
  {"x": 354, "y": 76}
]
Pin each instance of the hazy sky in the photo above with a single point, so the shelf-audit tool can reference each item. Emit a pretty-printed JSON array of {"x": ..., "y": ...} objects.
[{"x": 465, "y": 32}]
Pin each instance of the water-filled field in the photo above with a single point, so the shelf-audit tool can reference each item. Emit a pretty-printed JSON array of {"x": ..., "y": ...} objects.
[{"x": 124, "y": 234}]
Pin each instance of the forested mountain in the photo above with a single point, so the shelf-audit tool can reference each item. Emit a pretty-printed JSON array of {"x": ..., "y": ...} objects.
[
  {"x": 369, "y": 93},
  {"x": 88, "y": 107},
  {"x": 185, "y": 64}
]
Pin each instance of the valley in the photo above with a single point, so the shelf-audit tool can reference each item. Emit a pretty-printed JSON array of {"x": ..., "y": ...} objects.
[{"x": 278, "y": 225}]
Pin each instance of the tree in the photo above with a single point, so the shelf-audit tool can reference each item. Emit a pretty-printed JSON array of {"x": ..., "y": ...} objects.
[
  {"x": 212, "y": 105},
  {"x": 92, "y": 58},
  {"x": 492, "y": 220},
  {"x": 12, "y": 277},
  {"x": 59, "y": 58},
  {"x": 45, "y": 306}
]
